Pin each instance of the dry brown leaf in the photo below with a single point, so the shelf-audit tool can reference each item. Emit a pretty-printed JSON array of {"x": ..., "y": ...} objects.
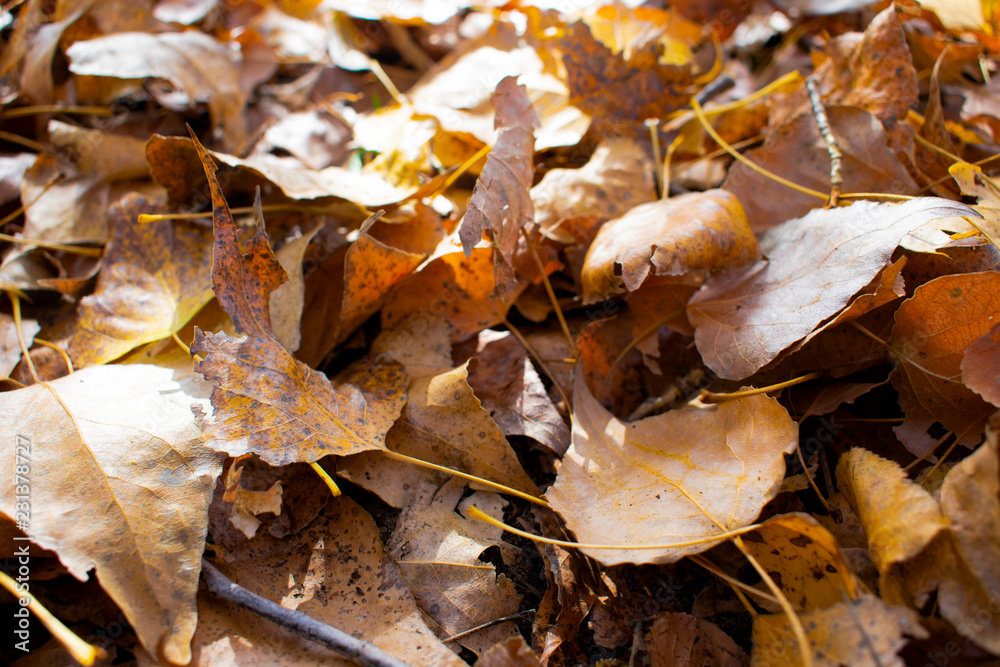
[
  {"x": 510, "y": 653},
  {"x": 509, "y": 387},
  {"x": 699, "y": 231},
  {"x": 795, "y": 150},
  {"x": 170, "y": 56},
  {"x": 120, "y": 482},
  {"x": 677, "y": 640},
  {"x": 266, "y": 401},
  {"x": 437, "y": 549},
  {"x": 900, "y": 518},
  {"x": 865, "y": 632},
  {"x": 338, "y": 573},
  {"x": 10, "y": 348},
  {"x": 814, "y": 266},
  {"x": 684, "y": 475},
  {"x": 618, "y": 177},
  {"x": 981, "y": 366},
  {"x": 154, "y": 277},
  {"x": 932, "y": 331},
  {"x": 619, "y": 91},
  {"x": 500, "y": 204}
]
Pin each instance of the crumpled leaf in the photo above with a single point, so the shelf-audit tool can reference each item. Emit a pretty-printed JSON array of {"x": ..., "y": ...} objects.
[
  {"x": 618, "y": 176},
  {"x": 266, "y": 401},
  {"x": 336, "y": 572},
  {"x": 839, "y": 635},
  {"x": 684, "y": 475},
  {"x": 616, "y": 91},
  {"x": 932, "y": 331},
  {"x": 691, "y": 232},
  {"x": 120, "y": 482},
  {"x": 443, "y": 421},
  {"x": 170, "y": 56},
  {"x": 501, "y": 205},
  {"x": 814, "y": 266},
  {"x": 509, "y": 387},
  {"x": 437, "y": 549}
]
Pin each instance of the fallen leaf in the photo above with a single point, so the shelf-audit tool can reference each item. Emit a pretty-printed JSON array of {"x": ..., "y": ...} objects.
[
  {"x": 338, "y": 573},
  {"x": 500, "y": 204},
  {"x": 437, "y": 548},
  {"x": 701, "y": 231},
  {"x": 290, "y": 412},
  {"x": 510, "y": 653},
  {"x": 864, "y": 632},
  {"x": 814, "y": 266},
  {"x": 796, "y": 151},
  {"x": 170, "y": 56},
  {"x": 899, "y": 518},
  {"x": 681, "y": 476},
  {"x": 120, "y": 482},
  {"x": 10, "y": 347},
  {"x": 799, "y": 552},
  {"x": 509, "y": 387},
  {"x": 620, "y": 91},
  {"x": 154, "y": 277},
  {"x": 674, "y": 640},
  {"x": 933, "y": 328},
  {"x": 618, "y": 177},
  {"x": 980, "y": 371}
]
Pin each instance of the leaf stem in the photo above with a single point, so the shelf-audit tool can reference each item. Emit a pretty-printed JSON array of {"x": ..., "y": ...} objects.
[
  {"x": 711, "y": 397},
  {"x": 15, "y": 301},
  {"x": 84, "y": 653},
  {"x": 60, "y": 351},
  {"x": 476, "y": 513},
  {"x": 420, "y": 463},
  {"x": 325, "y": 476},
  {"x": 527, "y": 346},
  {"x": 548, "y": 289}
]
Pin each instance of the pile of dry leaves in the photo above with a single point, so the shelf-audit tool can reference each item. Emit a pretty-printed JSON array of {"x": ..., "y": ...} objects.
[{"x": 627, "y": 335}]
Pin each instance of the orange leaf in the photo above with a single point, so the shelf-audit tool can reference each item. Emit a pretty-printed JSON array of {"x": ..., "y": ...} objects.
[
  {"x": 266, "y": 401},
  {"x": 932, "y": 331},
  {"x": 695, "y": 231}
]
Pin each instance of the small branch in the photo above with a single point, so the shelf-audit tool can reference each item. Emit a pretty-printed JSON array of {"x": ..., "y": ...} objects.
[
  {"x": 356, "y": 649},
  {"x": 836, "y": 180},
  {"x": 711, "y": 397}
]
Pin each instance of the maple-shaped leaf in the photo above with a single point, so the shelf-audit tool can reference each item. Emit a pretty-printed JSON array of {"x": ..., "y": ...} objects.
[
  {"x": 682, "y": 476},
  {"x": 698, "y": 231},
  {"x": 266, "y": 401},
  {"x": 501, "y": 204},
  {"x": 618, "y": 91},
  {"x": 119, "y": 482},
  {"x": 933, "y": 329},
  {"x": 814, "y": 266}
]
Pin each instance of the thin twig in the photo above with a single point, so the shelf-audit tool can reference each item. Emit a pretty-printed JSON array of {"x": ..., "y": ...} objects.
[
  {"x": 836, "y": 179},
  {"x": 487, "y": 624},
  {"x": 360, "y": 651}
]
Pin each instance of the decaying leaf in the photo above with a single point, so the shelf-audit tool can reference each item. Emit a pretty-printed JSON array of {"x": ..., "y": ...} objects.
[
  {"x": 437, "y": 549},
  {"x": 266, "y": 401},
  {"x": 683, "y": 476},
  {"x": 119, "y": 482},
  {"x": 501, "y": 205}
]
